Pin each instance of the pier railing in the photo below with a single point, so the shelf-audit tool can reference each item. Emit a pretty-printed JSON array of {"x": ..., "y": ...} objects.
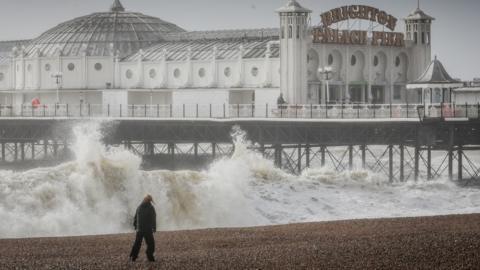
[{"x": 229, "y": 111}]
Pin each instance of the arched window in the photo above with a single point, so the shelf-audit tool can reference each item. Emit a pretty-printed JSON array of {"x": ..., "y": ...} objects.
[
  {"x": 201, "y": 72},
  {"x": 227, "y": 72},
  {"x": 398, "y": 61},
  {"x": 254, "y": 71},
  {"x": 290, "y": 30},
  {"x": 129, "y": 74},
  {"x": 177, "y": 73},
  {"x": 298, "y": 31},
  {"x": 152, "y": 73}
]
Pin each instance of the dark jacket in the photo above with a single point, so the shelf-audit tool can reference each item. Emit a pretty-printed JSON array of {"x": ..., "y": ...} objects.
[{"x": 145, "y": 218}]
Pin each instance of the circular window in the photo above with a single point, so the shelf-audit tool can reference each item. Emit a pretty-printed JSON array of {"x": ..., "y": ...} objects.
[
  {"x": 29, "y": 67},
  {"x": 375, "y": 61},
  {"x": 397, "y": 61},
  {"x": 2, "y": 76},
  {"x": 227, "y": 72},
  {"x": 176, "y": 73},
  {"x": 129, "y": 74},
  {"x": 201, "y": 72},
  {"x": 47, "y": 67},
  {"x": 254, "y": 71},
  {"x": 153, "y": 73},
  {"x": 71, "y": 66},
  {"x": 353, "y": 61},
  {"x": 330, "y": 59},
  {"x": 98, "y": 66}
]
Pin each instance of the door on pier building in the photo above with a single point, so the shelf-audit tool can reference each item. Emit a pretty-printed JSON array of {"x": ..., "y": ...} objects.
[
  {"x": 356, "y": 92},
  {"x": 378, "y": 94},
  {"x": 335, "y": 94}
]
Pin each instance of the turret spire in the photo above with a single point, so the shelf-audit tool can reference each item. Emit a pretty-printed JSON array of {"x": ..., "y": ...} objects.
[{"x": 117, "y": 6}]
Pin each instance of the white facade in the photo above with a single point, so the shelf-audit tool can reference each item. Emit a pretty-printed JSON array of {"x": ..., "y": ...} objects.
[{"x": 243, "y": 66}]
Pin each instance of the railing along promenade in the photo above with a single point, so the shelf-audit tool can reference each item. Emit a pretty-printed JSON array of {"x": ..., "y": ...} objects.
[{"x": 309, "y": 111}]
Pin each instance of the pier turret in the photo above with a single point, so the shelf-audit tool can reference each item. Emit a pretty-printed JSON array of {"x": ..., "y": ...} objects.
[
  {"x": 294, "y": 38},
  {"x": 418, "y": 29}
]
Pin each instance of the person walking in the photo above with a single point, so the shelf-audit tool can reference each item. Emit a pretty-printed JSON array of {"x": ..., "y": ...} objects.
[
  {"x": 280, "y": 100},
  {"x": 145, "y": 223}
]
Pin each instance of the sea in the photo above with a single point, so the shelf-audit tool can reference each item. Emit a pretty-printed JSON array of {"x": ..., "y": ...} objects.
[{"x": 98, "y": 191}]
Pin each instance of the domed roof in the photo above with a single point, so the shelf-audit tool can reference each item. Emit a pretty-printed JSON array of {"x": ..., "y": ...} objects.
[{"x": 102, "y": 34}]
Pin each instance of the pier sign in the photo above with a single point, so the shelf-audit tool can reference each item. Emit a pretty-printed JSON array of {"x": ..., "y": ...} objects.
[{"x": 326, "y": 34}]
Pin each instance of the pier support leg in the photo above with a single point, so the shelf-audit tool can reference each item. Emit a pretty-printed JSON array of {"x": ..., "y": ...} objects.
[
  {"x": 307, "y": 155},
  {"x": 55, "y": 149},
  {"x": 15, "y": 152},
  {"x": 429, "y": 162},
  {"x": 214, "y": 150},
  {"x": 33, "y": 150},
  {"x": 195, "y": 150},
  {"x": 450, "y": 163},
  {"x": 460, "y": 163},
  {"x": 65, "y": 148},
  {"x": 3, "y": 152},
  {"x": 417, "y": 162},
  {"x": 278, "y": 155},
  {"x": 299, "y": 161},
  {"x": 145, "y": 149},
  {"x": 450, "y": 152},
  {"x": 322, "y": 153},
  {"x": 171, "y": 152},
  {"x": 390, "y": 163},
  {"x": 22, "y": 151},
  {"x": 350, "y": 157},
  {"x": 364, "y": 156},
  {"x": 45, "y": 149},
  {"x": 402, "y": 163}
]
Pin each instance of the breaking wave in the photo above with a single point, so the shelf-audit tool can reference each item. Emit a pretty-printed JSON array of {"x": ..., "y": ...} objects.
[{"x": 99, "y": 191}]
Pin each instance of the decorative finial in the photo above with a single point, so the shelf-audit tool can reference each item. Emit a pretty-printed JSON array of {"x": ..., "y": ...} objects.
[
  {"x": 435, "y": 57},
  {"x": 117, "y": 6}
]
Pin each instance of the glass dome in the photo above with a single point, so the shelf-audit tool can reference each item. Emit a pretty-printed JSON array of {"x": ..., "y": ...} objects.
[{"x": 102, "y": 34}]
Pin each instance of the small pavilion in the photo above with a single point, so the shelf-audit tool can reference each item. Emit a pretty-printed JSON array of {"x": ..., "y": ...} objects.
[{"x": 435, "y": 84}]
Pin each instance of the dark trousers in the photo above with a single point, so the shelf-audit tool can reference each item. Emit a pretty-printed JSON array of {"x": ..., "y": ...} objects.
[{"x": 148, "y": 236}]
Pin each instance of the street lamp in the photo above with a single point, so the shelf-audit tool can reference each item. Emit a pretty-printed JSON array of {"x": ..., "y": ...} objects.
[
  {"x": 327, "y": 74},
  {"x": 58, "y": 80}
]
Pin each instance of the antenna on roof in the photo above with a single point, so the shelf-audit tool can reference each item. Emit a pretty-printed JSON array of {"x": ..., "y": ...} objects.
[
  {"x": 418, "y": 4},
  {"x": 117, "y": 6}
]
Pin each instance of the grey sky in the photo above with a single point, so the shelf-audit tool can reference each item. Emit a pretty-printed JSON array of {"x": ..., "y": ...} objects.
[{"x": 455, "y": 37}]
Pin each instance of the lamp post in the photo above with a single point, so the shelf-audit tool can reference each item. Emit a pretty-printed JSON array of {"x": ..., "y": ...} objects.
[
  {"x": 327, "y": 73},
  {"x": 58, "y": 80}
]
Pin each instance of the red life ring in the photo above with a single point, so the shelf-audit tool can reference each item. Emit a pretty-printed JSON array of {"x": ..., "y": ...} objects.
[{"x": 35, "y": 103}]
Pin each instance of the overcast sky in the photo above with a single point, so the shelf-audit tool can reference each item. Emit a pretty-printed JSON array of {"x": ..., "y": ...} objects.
[{"x": 455, "y": 34}]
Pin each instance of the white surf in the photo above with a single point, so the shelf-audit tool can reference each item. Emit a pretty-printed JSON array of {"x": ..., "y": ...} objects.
[{"x": 99, "y": 192}]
